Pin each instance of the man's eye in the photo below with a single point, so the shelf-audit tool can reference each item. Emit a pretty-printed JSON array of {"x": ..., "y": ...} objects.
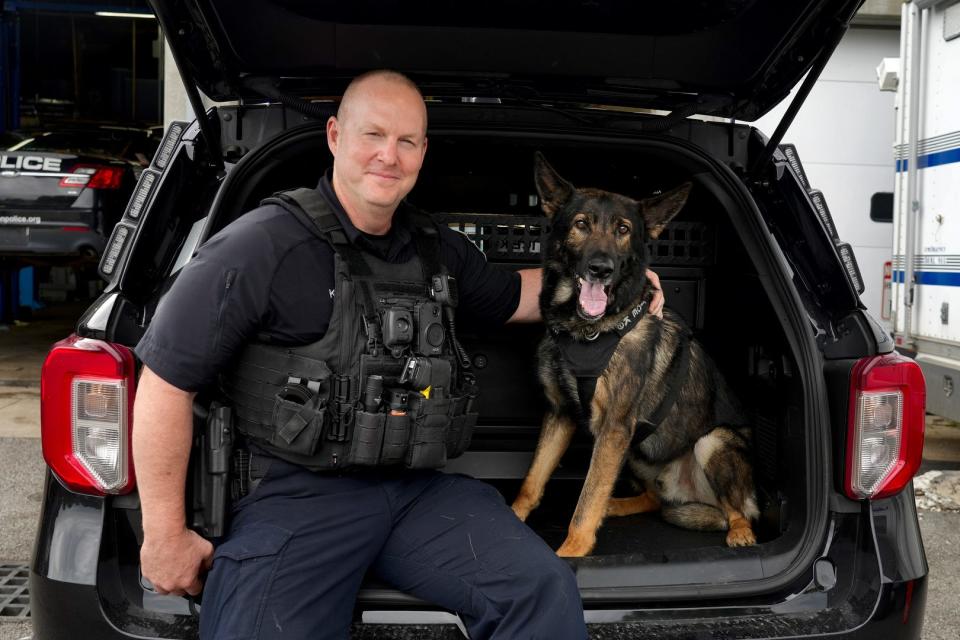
[
  {"x": 408, "y": 143},
  {"x": 374, "y": 134},
  {"x": 580, "y": 224},
  {"x": 623, "y": 229}
]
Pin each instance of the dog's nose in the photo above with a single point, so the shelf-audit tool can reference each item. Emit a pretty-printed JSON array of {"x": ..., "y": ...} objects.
[{"x": 600, "y": 268}]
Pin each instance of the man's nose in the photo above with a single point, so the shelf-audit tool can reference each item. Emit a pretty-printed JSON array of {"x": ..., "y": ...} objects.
[
  {"x": 600, "y": 267},
  {"x": 388, "y": 152}
]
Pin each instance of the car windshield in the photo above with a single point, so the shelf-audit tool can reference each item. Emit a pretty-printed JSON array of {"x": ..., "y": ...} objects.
[{"x": 99, "y": 143}]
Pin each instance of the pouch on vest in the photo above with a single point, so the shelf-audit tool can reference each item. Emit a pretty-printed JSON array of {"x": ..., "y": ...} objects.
[
  {"x": 379, "y": 439},
  {"x": 367, "y": 438},
  {"x": 430, "y": 418},
  {"x": 462, "y": 422},
  {"x": 298, "y": 418}
]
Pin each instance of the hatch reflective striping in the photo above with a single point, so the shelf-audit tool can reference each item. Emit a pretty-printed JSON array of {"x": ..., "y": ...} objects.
[{"x": 143, "y": 191}]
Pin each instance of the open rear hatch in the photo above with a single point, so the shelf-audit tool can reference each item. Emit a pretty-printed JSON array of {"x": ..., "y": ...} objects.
[{"x": 731, "y": 58}]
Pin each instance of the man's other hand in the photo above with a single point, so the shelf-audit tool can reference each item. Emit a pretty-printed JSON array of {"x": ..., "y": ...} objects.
[
  {"x": 656, "y": 304},
  {"x": 173, "y": 563}
]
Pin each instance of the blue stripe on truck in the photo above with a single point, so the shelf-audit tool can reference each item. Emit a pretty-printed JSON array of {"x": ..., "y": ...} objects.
[
  {"x": 932, "y": 159},
  {"x": 942, "y": 278}
]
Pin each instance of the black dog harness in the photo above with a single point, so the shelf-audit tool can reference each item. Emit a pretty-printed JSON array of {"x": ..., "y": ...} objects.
[{"x": 587, "y": 360}]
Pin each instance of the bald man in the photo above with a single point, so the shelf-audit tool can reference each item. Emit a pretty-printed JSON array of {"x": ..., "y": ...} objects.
[{"x": 301, "y": 541}]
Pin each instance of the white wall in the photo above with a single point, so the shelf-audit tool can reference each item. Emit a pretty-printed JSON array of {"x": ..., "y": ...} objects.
[
  {"x": 176, "y": 106},
  {"x": 844, "y": 134}
]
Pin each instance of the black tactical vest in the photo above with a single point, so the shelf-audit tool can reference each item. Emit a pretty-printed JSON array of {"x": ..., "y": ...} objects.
[{"x": 387, "y": 384}]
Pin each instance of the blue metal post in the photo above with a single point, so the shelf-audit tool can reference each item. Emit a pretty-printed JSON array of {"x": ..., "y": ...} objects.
[{"x": 28, "y": 289}]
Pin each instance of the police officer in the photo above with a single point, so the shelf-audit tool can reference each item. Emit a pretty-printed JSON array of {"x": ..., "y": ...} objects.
[{"x": 301, "y": 541}]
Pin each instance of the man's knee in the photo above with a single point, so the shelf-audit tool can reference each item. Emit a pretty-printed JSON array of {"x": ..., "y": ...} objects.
[{"x": 553, "y": 586}]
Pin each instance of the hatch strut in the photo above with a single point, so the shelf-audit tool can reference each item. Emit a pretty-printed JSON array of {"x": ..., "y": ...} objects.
[{"x": 802, "y": 92}]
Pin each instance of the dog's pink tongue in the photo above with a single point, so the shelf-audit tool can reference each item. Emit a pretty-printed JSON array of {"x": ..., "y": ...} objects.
[{"x": 593, "y": 300}]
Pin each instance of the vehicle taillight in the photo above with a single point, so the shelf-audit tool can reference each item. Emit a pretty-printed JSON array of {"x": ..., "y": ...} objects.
[
  {"x": 94, "y": 177},
  {"x": 885, "y": 436},
  {"x": 86, "y": 415}
]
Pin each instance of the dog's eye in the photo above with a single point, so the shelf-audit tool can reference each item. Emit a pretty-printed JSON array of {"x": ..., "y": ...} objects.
[
  {"x": 580, "y": 224},
  {"x": 623, "y": 229}
]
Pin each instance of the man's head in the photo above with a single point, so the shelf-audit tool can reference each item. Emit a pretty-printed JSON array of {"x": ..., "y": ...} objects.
[{"x": 378, "y": 140}]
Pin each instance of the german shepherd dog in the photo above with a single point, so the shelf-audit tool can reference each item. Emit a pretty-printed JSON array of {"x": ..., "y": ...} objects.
[{"x": 695, "y": 465}]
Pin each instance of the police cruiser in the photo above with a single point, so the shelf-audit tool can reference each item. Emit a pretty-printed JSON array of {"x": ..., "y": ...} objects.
[{"x": 62, "y": 191}]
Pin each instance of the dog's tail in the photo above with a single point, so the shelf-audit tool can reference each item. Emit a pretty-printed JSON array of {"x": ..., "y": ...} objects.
[{"x": 695, "y": 515}]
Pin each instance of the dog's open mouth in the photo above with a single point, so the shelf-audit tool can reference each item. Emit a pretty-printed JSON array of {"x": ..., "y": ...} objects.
[{"x": 592, "y": 299}]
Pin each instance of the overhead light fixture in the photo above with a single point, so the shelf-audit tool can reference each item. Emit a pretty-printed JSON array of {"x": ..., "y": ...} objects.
[{"x": 120, "y": 14}]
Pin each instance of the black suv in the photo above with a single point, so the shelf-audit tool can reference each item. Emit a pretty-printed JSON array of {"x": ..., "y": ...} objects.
[{"x": 614, "y": 96}]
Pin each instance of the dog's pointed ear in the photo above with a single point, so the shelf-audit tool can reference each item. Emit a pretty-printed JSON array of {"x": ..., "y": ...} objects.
[
  {"x": 657, "y": 211},
  {"x": 554, "y": 191}
]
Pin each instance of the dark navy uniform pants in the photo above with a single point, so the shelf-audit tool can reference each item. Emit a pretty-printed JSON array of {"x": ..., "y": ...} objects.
[{"x": 301, "y": 542}]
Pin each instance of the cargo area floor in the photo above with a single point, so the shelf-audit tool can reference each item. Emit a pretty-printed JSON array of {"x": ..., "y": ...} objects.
[{"x": 646, "y": 534}]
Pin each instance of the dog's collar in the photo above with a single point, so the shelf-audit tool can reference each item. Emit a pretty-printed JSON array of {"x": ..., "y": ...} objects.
[
  {"x": 622, "y": 327},
  {"x": 631, "y": 318}
]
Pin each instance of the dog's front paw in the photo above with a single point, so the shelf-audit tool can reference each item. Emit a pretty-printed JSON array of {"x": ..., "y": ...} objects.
[
  {"x": 741, "y": 537},
  {"x": 521, "y": 510},
  {"x": 576, "y": 546}
]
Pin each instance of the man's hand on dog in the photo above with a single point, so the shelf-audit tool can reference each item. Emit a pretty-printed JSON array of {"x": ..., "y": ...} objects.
[{"x": 656, "y": 304}]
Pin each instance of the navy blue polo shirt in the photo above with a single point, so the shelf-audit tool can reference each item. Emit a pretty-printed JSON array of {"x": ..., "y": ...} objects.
[{"x": 266, "y": 276}]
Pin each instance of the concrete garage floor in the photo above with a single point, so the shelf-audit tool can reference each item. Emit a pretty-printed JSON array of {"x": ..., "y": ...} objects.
[{"x": 24, "y": 347}]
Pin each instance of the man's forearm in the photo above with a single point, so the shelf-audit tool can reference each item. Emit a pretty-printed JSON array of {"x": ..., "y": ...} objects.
[
  {"x": 528, "y": 310},
  {"x": 162, "y": 438}
]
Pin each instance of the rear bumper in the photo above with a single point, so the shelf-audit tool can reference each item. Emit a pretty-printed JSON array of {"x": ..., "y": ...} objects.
[
  {"x": 84, "y": 576},
  {"x": 59, "y": 609}
]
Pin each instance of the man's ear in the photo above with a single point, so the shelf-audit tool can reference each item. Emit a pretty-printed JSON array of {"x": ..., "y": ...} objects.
[
  {"x": 554, "y": 191},
  {"x": 333, "y": 134},
  {"x": 659, "y": 210}
]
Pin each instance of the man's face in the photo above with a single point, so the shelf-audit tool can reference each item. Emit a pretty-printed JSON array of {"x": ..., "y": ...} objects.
[{"x": 378, "y": 145}]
